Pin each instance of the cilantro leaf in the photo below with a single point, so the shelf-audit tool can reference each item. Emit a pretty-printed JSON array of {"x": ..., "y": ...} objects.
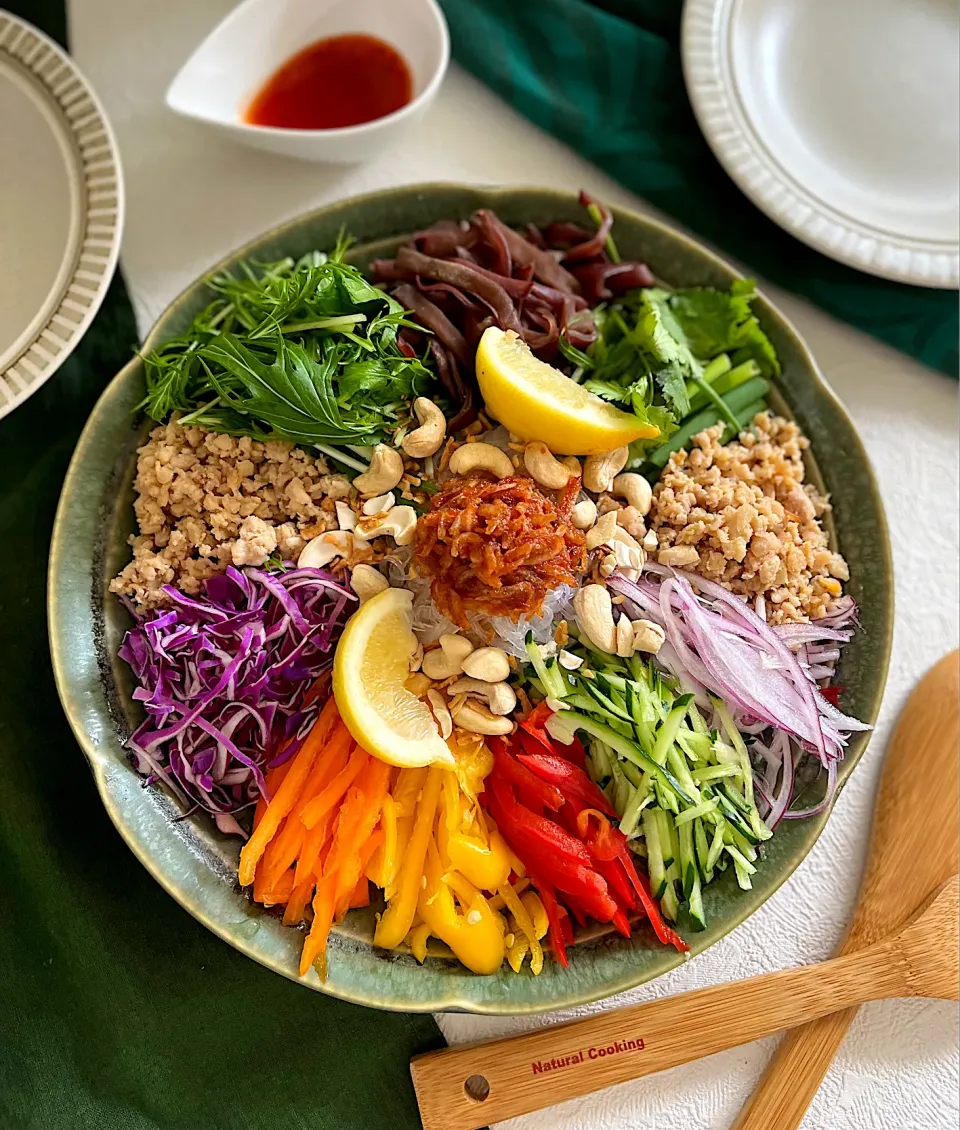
[{"x": 716, "y": 321}]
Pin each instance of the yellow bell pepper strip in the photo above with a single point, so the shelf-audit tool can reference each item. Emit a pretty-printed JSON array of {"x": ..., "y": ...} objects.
[
  {"x": 496, "y": 901},
  {"x": 406, "y": 792},
  {"x": 466, "y": 844},
  {"x": 526, "y": 926},
  {"x": 474, "y": 932},
  {"x": 397, "y": 919},
  {"x": 417, "y": 941}
]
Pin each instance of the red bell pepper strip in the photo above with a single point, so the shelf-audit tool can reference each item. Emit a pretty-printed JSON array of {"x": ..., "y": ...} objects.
[
  {"x": 666, "y": 935},
  {"x": 533, "y": 832},
  {"x": 569, "y": 778},
  {"x": 618, "y": 883},
  {"x": 535, "y": 725},
  {"x": 605, "y": 842},
  {"x": 531, "y": 789},
  {"x": 620, "y": 923},
  {"x": 548, "y": 897}
]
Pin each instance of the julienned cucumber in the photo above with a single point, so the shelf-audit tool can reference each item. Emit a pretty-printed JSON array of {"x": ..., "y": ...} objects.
[
  {"x": 681, "y": 780},
  {"x": 738, "y": 400}
]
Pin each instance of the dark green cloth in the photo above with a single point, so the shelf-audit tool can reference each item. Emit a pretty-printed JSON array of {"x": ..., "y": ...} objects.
[
  {"x": 118, "y": 1011},
  {"x": 605, "y": 77}
]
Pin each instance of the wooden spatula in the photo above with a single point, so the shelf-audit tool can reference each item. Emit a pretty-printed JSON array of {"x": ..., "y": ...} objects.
[
  {"x": 465, "y": 1088},
  {"x": 462, "y": 1088},
  {"x": 914, "y": 849}
]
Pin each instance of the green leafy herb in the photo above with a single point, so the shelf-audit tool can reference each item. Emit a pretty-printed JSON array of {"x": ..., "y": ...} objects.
[
  {"x": 659, "y": 351},
  {"x": 304, "y": 351}
]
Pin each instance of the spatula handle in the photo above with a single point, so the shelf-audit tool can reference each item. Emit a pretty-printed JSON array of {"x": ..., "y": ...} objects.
[
  {"x": 469, "y": 1087},
  {"x": 794, "y": 1074}
]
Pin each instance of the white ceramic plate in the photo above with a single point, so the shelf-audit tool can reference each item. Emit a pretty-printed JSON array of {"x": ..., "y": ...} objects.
[
  {"x": 61, "y": 208},
  {"x": 839, "y": 118}
]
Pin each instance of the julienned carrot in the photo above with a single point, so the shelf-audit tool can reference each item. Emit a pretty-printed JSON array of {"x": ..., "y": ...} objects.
[
  {"x": 358, "y": 814},
  {"x": 272, "y": 782},
  {"x": 315, "y": 945},
  {"x": 287, "y": 793},
  {"x": 287, "y": 844},
  {"x": 297, "y": 902},
  {"x": 336, "y": 789},
  {"x": 315, "y": 840},
  {"x": 380, "y": 868},
  {"x": 361, "y": 892},
  {"x": 350, "y": 855}
]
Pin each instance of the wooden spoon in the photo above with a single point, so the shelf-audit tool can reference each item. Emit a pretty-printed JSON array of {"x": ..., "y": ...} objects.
[
  {"x": 465, "y": 1088},
  {"x": 916, "y": 837}
]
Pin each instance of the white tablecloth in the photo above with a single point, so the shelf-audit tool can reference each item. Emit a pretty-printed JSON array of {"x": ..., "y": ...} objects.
[{"x": 192, "y": 197}]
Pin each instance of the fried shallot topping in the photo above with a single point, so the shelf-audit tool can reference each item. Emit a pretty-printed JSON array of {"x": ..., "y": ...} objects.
[{"x": 497, "y": 546}]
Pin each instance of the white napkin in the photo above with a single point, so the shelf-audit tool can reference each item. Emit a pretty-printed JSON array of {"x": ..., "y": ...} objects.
[{"x": 192, "y": 197}]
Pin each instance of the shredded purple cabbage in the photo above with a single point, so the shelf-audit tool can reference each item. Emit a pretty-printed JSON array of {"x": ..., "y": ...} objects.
[{"x": 222, "y": 678}]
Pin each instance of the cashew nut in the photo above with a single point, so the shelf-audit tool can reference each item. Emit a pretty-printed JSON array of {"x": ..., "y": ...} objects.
[
  {"x": 346, "y": 518},
  {"x": 418, "y": 684},
  {"x": 568, "y": 661},
  {"x": 441, "y": 713},
  {"x": 367, "y": 581},
  {"x": 487, "y": 663},
  {"x": 426, "y": 439},
  {"x": 626, "y": 555},
  {"x": 635, "y": 489},
  {"x": 624, "y": 637},
  {"x": 321, "y": 550},
  {"x": 648, "y": 636},
  {"x": 546, "y": 470},
  {"x": 599, "y": 471},
  {"x": 584, "y": 514},
  {"x": 679, "y": 556},
  {"x": 608, "y": 565},
  {"x": 650, "y": 541},
  {"x": 455, "y": 648},
  {"x": 499, "y": 697},
  {"x": 476, "y": 718},
  {"x": 438, "y": 665},
  {"x": 603, "y": 532},
  {"x": 384, "y": 472},
  {"x": 400, "y": 523},
  {"x": 572, "y": 463},
  {"x": 594, "y": 611},
  {"x": 480, "y": 457},
  {"x": 379, "y": 504}
]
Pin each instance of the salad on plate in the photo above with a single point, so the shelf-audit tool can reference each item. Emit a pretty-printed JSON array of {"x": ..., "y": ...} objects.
[{"x": 484, "y": 588}]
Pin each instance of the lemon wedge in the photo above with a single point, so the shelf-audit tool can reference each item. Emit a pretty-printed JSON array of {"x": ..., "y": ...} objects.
[
  {"x": 370, "y": 667},
  {"x": 536, "y": 401}
]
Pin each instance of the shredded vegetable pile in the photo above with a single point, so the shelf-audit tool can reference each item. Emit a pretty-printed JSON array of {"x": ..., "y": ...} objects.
[
  {"x": 497, "y": 546},
  {"x": 223, "y": 679},
  {"x": 717, "y": 645}
]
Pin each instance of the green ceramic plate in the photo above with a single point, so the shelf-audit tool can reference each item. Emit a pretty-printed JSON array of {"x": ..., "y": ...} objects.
[{"x": 195, "y": 863}]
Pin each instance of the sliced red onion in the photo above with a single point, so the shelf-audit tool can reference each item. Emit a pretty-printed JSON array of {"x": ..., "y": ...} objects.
[{"x": 717, "y": 643}]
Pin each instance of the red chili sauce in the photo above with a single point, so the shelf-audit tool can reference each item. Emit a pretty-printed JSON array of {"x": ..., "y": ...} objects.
[{"x": 341, "y": 81}]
